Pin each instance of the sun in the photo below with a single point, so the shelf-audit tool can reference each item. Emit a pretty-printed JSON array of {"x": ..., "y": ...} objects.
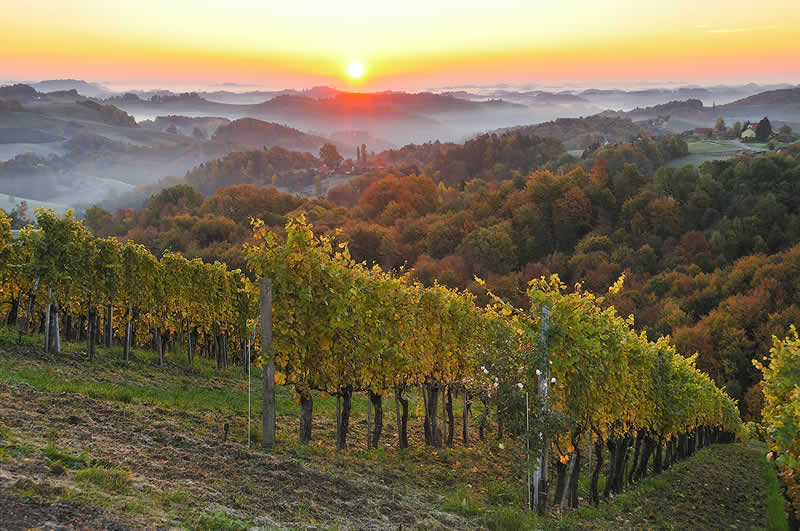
[{"x": 355, "y": 69}]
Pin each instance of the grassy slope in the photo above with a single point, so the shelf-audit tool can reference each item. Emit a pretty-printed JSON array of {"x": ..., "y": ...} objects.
[
  {"x": 162, "y": 429},
  {"x": 723, "y": 486},
  {"x": 701, "y": 151},
  {"x": 7, "y": 203},
  {"x": 132, "y": 444},
  {"x": 712, "y": 149}
]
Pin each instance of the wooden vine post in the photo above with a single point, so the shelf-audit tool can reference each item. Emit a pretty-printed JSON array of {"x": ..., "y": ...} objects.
[
  {"x": 540, "y": 474},
  {"x": 47, "y": 313},
  {"x": 268, "y": 367},
  {"x": 369, "y": 422},
  {"x": 251, "y": 338},
  {"x": 528, "y": 451}
]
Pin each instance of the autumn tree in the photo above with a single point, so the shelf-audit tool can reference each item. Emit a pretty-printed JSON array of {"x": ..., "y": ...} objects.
[{"x": 330, "y": 156}]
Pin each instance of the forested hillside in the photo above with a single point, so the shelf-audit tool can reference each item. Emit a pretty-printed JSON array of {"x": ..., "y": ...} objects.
[
  {"x": 257, "y": 133},
  {"x": 275, "y": 166},
  {"x": 708, "y": 253},
  {"x": 580, "y": 133}
]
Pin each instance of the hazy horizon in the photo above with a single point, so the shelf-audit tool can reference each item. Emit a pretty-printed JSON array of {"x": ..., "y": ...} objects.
[{"x": 475, "y": 87}]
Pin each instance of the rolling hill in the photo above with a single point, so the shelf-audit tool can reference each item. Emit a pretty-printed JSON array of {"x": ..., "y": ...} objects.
[
  {"x": 579, "y": 133},
  {"x": 790, "y": 96},
  {"x": 257, "y": 133}
]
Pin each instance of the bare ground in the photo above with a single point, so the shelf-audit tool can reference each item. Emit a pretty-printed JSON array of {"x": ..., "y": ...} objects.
[{"x": 178, "y": 472}]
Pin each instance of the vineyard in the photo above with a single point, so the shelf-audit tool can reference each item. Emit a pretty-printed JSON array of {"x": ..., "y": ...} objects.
[
  {"x": 566, "y": 378},
  {"x": 782, "y": 413}
]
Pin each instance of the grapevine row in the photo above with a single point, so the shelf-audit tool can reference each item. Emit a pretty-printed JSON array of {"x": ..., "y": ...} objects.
[
  {"x": 781, "y": 413},
  {"x": 96, "y": 288},
  {"x": 339, "y": 327}
]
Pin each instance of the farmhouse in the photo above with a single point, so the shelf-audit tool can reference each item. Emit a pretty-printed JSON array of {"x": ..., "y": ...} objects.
[
  {"x": 748, "y": 134},
  {"x": 702, "y": 131}
]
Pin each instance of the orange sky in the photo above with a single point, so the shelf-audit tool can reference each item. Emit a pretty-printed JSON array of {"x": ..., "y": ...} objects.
[{"x": 409, "y": 44}]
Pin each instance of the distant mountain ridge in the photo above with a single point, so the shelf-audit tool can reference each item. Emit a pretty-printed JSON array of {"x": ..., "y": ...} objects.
[
  {"x": 92, "y": 90},
  {"x": 786, "y": 96}
]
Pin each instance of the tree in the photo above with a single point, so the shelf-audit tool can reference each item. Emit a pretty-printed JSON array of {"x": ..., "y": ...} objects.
[
  {"x": 572, "y": 213},
  {"x": 5, "y": 239},
  {"x": 330, "y": 156},
  {"x": 720, "y": 127},
  {"x": 19, "y": 216},
  {"x": 98, "y": 220},
  {"x": 199, "y": 133},
  {"x": 489, "y": 250},
  {"x": 736, "y": 130},
  {"x": 763, "y": 129}
]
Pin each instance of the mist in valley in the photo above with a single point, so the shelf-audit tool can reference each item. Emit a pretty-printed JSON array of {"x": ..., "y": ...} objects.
[{"x": 73, "y": 143}]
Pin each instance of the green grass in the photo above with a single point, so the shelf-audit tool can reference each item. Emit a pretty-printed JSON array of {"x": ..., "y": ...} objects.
[
  {"x": 115, "y": 480},
  {"x": 11, "y": 449},
  {"x": 218, "y": 520},
  {"x": 712, "y": 149},
  {"x": 776, "y": 506},
  {"x": 54, "y": 455},
  {"x": 199, "y": 388},
  {"x": 504, "y": 494},
  {"x": 726, "y": 485},
  {"x": 462, "y": 501},
  {"x": 512, "y": 519}
]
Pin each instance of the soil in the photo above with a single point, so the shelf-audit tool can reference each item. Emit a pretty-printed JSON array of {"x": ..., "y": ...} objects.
[
  {"x": 17, "y": 512},
  {"x": 166, "y": 452}
]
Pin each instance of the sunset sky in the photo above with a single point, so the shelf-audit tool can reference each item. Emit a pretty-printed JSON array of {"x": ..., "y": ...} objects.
[{"x": 406, "y": 44}]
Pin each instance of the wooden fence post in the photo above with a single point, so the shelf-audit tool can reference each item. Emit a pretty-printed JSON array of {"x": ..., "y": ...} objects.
[{"x": 268, "y": 368}]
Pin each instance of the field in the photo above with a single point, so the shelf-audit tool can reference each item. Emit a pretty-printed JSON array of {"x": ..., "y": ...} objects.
[
  {"x": 703, "y": 150},
  {"x": 9, "y": 151},
  {"x": 8, "y": 202},
  {"x": 118, "y": 444}
]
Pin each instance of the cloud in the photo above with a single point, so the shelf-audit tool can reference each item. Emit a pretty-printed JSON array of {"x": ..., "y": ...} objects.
[
  {"x": 730, "y": 30},
  {"x": 736, "y": 30}
]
